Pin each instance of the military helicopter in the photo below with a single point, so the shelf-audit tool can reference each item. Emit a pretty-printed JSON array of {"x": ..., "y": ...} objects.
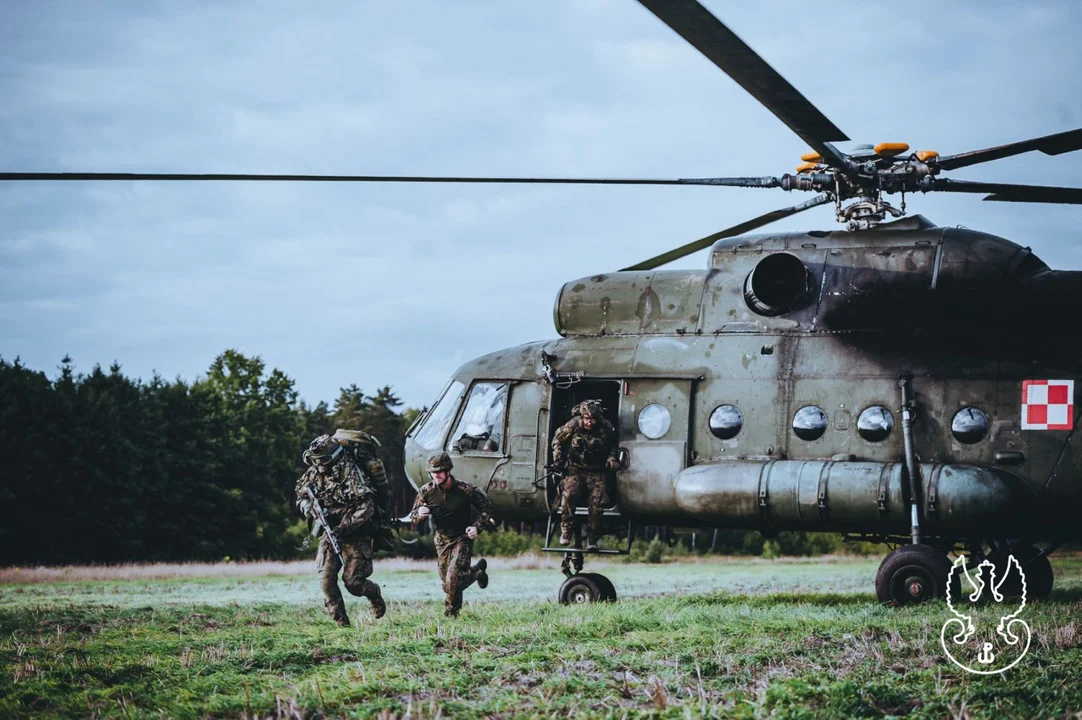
[{"x": 893, "y": 381}]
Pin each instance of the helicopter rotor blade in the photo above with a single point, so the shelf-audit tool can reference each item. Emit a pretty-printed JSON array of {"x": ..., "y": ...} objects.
[
  {"x": 1049, "y": 144},
  {"x": 693, "y": 22},
  {"x": 764, "y": 182},
  {"x": 1011, "y": 192},
  {"x": 703, "y": 243}
]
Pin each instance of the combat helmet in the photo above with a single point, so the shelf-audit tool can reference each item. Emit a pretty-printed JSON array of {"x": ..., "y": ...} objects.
[
  {"x": 323, "y": 451},
  {"x": 439, "y": 462},
  {"x": 589, "y": 409}
]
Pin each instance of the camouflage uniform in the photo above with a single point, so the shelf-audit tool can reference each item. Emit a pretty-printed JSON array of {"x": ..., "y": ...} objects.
[
  {"x": 451, "y": 512},
  {"x": 349, "y": 503},
  {"x": 587, "y": 456}
]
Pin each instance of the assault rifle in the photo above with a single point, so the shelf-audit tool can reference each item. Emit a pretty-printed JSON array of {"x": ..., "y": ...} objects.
[{"x": 321, "y": 517}]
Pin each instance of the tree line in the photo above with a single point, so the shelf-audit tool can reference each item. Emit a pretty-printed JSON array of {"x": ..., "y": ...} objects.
[
  {"x": 100, "y": 467},
  {"x": 103, "y": 468}
]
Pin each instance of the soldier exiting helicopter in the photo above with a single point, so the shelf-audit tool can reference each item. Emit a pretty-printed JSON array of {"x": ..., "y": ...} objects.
[
  {"x": 336, "y": 495},
  {"x": 585, "y": 449}
]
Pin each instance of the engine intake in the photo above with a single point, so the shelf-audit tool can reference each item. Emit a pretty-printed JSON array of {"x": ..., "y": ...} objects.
[{"x": 778, "y": 284}]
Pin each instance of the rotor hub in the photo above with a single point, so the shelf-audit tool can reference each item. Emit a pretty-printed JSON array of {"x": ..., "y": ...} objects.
[{"x": 865, "y": 212}]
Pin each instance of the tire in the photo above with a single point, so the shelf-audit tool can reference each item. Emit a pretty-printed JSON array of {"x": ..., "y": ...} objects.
[
  {"x": 912, "y": 574},
  {"x": 580, "y": 588},
  {"x": 608, "y": 590},
  {"x": 1039, "y": 578},
  {"x": 1037, "y": 570}
]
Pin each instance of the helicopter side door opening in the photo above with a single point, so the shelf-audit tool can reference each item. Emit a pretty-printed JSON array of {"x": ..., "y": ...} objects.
[
  {"x": 582, "y": 586},
  {"x": 563, "y": 402},
  {"x": 652, "y": 417}
]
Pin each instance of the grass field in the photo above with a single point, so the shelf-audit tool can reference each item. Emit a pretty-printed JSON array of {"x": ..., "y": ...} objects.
[{"x": 729, "y": 638}]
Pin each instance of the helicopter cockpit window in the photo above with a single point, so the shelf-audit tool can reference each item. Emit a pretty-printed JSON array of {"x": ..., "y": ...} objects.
[
  {"x": 809, "y": 423},
  {"x": 725, "y": 422},
  {"x": 969, "y": 426},
  {"x": 481, "y": 426},
  {"x": 875, "y": 423},
  {"x": 432, "y": 431}
]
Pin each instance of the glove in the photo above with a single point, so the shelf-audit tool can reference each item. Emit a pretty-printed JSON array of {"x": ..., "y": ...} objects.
[{"x": 612, "y": 464}]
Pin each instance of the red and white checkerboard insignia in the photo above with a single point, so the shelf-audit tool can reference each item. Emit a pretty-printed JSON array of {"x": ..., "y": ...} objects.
[{"x": 1047, "y": 404}]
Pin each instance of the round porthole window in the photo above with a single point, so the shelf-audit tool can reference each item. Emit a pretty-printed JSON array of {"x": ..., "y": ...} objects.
[
  {"x": 970, "y": 425},
  {"x": 725, "y": 422},
  {"x": 809, "y": 423},
  {"x": 875, "y": 424},
  {"x": 654, "y": 421}
]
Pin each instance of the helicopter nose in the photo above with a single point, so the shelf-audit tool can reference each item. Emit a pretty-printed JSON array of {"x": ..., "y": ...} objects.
[{"x": 415, "y": 457}]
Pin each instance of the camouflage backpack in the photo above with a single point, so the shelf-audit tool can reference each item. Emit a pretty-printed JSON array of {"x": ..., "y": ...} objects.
[
  {"x": 364, "y": 449},
  {"x": 362, "y": 446}
]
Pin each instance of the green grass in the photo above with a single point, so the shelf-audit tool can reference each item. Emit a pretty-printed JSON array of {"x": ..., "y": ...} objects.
[{"x": 730, "y": 638}]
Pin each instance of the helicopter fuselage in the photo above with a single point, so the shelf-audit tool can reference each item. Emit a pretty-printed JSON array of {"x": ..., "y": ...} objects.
[{"x": 764, "y": 392}]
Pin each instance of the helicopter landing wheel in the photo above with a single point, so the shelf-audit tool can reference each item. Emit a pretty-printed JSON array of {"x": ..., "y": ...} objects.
[
  {"x": 586, "y": 588},
  {"x": 912, "y": 574},
  {"x": 608, "y": 590},
  {"x": 1039, "y": 577}
]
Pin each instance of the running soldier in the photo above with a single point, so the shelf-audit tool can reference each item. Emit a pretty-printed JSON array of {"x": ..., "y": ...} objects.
[
  {"x": 337, "y": 497},
  {"x": 449, "y": 502}
]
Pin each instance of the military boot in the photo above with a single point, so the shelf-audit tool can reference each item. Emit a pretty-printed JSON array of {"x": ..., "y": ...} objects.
[
  {"x": 591, "y": 543},
  {"x": 379, "y": 606},
  {"x": 338, "y": 612},
  {"x": 565, "y": 537},
  {"x": 482, "y": 577}
]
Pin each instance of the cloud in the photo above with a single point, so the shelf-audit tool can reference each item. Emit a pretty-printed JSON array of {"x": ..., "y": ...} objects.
[{"x": 399, "y": 284}]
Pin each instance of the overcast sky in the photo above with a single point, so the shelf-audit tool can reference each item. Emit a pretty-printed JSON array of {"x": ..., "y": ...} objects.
[{"x": 400, "y": 284}]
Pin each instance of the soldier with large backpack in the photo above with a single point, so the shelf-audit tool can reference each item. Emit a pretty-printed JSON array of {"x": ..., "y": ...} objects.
[{"x": 344, "y": 493}]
